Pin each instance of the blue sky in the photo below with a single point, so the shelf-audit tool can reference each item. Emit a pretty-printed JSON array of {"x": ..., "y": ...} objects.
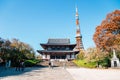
[{"x": 35, "y": 21}]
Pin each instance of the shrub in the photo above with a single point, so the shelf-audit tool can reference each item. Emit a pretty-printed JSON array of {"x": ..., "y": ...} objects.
[
  {"x": 36, "y": 60},
  {"x": 84, "y": 63},
  {"x": 105, "y": 62},
  {"x": 30, "y": 63}
]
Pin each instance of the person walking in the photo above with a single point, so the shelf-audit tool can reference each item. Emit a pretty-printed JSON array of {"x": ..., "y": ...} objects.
[
  {"x": 6, "y": 64},
  {"x": 1, "y": 62},
  {"x": 64, "y": 65},
  {"x": 49, "y": 64},
  {"x": 9, "y": 63},
  {"x": 18, "y": 65},
  {"x": 22, "y": 65},
  {"x": 52, "y": 64}
]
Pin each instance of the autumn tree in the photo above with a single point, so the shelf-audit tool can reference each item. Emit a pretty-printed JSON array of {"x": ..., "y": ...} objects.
[
  {"x": 15, "y": 49},
  {"x": 81, "y": 54},
  {"x": 98, "y": 56},
  {"x": 24, "y": 49},
  {"x": 95, "y": 54},
  {"x": 107, "y": 35}
]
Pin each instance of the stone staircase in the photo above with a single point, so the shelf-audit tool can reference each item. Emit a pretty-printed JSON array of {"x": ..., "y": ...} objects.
[
  {"x": 58, "y": 63},
  {"x": 43, "y": 64},
  {"x": 71, "y": 64}
]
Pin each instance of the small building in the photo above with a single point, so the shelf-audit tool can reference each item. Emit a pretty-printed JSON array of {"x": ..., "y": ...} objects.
[
  {"x": 115, "y": 63},
  {"x": 58, "y": 49}
]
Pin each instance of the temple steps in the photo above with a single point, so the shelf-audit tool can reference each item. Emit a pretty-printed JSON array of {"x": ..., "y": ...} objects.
[{"x": 58, "y": 63}]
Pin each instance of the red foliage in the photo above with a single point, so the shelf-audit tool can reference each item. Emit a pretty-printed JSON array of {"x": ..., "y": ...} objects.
[{"x": 107, "y": 35}]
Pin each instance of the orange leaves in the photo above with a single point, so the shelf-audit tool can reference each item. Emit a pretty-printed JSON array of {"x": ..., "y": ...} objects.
[{"x": 107, "y": 35}]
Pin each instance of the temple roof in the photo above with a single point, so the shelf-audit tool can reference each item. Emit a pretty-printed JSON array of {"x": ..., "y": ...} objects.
[
  {"x": 43, "y": 44},
  {"x": 56, "y": 51},
  {"x": 58, "y": 41}
]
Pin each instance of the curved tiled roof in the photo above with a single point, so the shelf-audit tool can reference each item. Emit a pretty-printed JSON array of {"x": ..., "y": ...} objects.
[{"x": 58, "y": 41}]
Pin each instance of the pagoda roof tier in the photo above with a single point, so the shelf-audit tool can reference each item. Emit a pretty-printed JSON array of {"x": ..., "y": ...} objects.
[
  {"x": 57, "y": 44},
  {"x": 49, "y": 45},
  {"x": 56, "y": 51},
  {"x": 59, "y": 41}
]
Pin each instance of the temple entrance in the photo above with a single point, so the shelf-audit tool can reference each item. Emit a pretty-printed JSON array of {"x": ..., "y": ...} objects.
[
  {"x": 115, "y": 64},
  {"x": 63, "y": 57},
  {"x": 52, "y": 57},
  {"x": 57, "y": 56}
]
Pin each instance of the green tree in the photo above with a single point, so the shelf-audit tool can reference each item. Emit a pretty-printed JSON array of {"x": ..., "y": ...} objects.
[{"x": 5, "y": 49}]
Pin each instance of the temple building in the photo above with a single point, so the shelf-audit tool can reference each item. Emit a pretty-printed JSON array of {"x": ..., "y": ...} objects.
[{"x": 60, "y": 49}]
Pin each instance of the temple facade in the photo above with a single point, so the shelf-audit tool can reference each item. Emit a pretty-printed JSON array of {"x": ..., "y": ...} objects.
[{"x": 60, "y": 49}]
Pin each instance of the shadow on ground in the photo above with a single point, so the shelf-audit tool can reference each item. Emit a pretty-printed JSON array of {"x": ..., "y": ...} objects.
[{"x": 12, "y": 72}]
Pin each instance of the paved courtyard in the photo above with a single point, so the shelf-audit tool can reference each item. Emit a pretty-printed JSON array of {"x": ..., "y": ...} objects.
[
  {"x": 94, "y": 74},
  {"x": 36, "y": 73},
  {"x": 58, "y": 73}
]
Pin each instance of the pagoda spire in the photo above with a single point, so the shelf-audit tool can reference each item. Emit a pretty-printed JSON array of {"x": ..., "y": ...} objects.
[{"x": 79, "y": 44}]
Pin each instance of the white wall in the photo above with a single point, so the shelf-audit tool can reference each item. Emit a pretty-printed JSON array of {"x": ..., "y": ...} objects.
[
  {"x": 43, "y": 56},
  {"x": 48, "y": 56},
  {"x": 68, "y": 56}
]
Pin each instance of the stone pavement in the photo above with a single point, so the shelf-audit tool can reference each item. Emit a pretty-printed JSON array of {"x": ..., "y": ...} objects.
[
  {"x": 94, "y": 74},
  {"x": 36, "y": 73},
  {"x": 58, "y": 73}
]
